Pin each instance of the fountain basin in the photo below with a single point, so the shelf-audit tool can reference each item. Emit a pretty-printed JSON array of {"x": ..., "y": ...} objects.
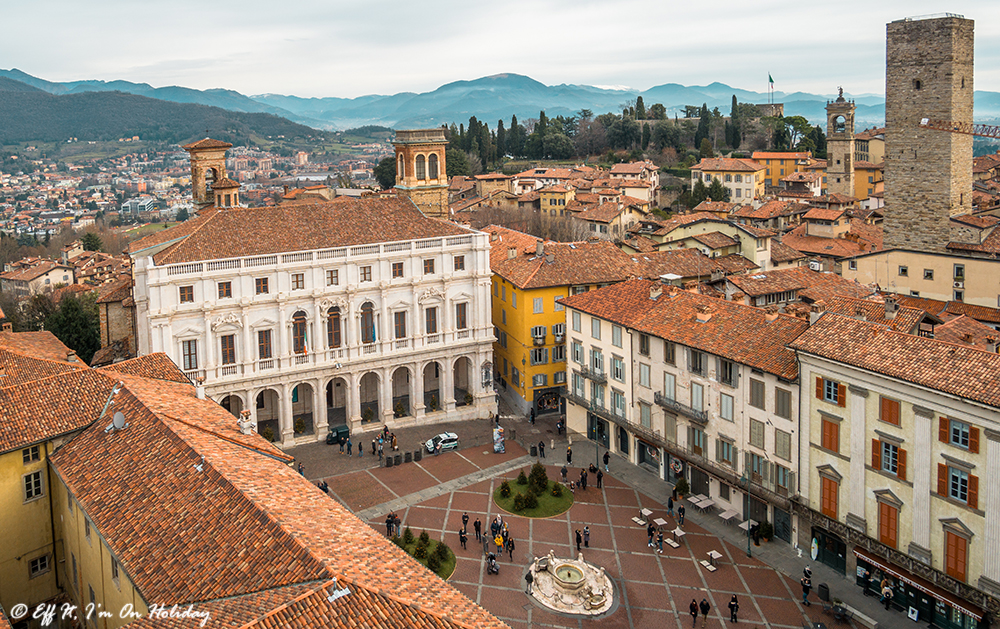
[{"x": 569, "y": 577}]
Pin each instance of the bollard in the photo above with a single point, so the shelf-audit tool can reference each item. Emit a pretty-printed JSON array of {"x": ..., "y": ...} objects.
[
  {"x": 417, "y": 454},
  {"x": 534, "y": 450},
  {"x": 388, "y": 461},
  {"x": 397, "y": 459},
  {"x": 407, "y": 457}
]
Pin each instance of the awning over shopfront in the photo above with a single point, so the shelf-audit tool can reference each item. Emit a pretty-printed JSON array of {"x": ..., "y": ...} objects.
[{"x": 920, "y": 583}]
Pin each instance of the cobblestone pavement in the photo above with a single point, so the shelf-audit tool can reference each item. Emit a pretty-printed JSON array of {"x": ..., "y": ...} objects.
[{"x": 655, "y": 590}]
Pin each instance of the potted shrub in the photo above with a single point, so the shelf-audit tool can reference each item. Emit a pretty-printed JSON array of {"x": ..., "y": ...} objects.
[
  {"x": 367, "y": 415},
  {"x": 468, "y": 398},
  {"x": 267, "y": 433},
  {"x": 682, "y": 488},
  {"x": 399, "y": 411},
  {"x": 766, "y": 530},
  {"x": 434, "y": 403},
  {"x": 300, "y": 426}
]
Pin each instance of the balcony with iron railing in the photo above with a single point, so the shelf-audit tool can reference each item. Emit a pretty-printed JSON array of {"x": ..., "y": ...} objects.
[
  {"x": 597, "y": 375},
  {"x": 673, "y": 405}
]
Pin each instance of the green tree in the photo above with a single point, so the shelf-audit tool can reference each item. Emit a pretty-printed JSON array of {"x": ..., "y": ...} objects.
[
  {"x": 647, "y": 134},
  {"x": 456, "y": 163},
  {"x": 704, "y": 120},
  {"x": 658, "y": 112},
  {"x": 640, "y": 109},
  {"x": 717, "y": 191},
  {"x": 182, "y": 214},
  {"x": 706, "y": 148},
  {"x": 76, "y": 324},
  {"x": 385, "y": 172},
  {"x": 91, "y": 242},
  {"x": 557, "y": 146}
]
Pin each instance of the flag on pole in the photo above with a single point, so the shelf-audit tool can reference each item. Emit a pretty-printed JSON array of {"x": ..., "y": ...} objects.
[{"x": 769, "y": 79}]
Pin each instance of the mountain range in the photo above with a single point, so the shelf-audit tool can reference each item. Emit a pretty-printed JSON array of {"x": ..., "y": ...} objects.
[{"x": 488, "y": 98}]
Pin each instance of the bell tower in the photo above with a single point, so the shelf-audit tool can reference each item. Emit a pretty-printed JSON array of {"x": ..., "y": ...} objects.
[
  {"x": 420, "y": 170},
  {"x": 840, "y": 146},
  {"x": 208, "y": 167}
]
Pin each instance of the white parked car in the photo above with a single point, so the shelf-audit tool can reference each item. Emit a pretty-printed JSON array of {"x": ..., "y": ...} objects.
[{"x": 448, "y": 441}]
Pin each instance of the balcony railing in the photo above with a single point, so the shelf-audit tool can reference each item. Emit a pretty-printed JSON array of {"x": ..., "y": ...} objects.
[
  {"x": 597, "y": 375},
  {"x": 673, "y": 405},
  {"x": 230, "y": 370},
  {"x": 463, "y": 334},
  {"x": 267, "y": 363}
]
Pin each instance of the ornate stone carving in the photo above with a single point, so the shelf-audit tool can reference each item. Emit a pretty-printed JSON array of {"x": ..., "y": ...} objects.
[
  {"x": 429, "y": 294},
  {"x": 231, "y": 318},
  {"x": 339, "y": 302}
]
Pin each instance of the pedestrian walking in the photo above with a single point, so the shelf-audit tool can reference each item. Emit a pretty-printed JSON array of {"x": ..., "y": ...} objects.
[
  {"x": 343, "y": 442},
  {"x": 478, "y": 526},
  {"x": 395, "y": 444},
  {"x": 374, "y": 447},
  {"x": 600, "y": 476},
  {"x": 734, "y": 607},
  {"x": 465, "y": 521},
  {"x": 806, "y": 586},
  {"x": 486, "y": 545},
  {"x": 510, "y": 548},
  {"x": 659, "y": 541},
  {"x": 529, "y": 580},
  {"x": 541, "y": 449},
  {"x": 494, "y": 528},
  {"x": 680, "y": 515},
  {"x": 302, "y": 470},
  {"x": 564, "y": 471},
  {"x": 705, "y": 607},
  {"x": 531, "y": 417},
  {"x": 887, "y": 596},
  {"x": 388, "y": 525},
  {"x": 504, "y": 533},
  {"x": 650, "y": 531},
  {"x": 349, "y": 446},
  {"x": 670, "y": 506},
  {"x": 462, "y": 538},
  {"x": 755, "y": 534},
  {"x": 579, "y": 539},
  {"x": 569, "y": 454},
  {"x": 586, "y": 537},
  {"x": 583, "y": 479},
  {"x": 693, "y": 607},
  {"x": 607, "y": 457},
  {"x": 499, "y": 542},
  {"x": 380, "y": 453},
  {"x": 867, "y": 577}
]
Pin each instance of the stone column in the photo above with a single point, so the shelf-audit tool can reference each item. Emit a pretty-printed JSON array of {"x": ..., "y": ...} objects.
[
  {"x": 249, "y": 354},
  {"x": 252, "y": 407},
  {"x": 353, "y": 400},
  {"x": 385, "y": 395},
  {"x": 286, "y": 423},
  {"x": 859, "y": 438},
  {"x": 922, "y": 473},
  {"x": 281, "y": 344},
  {"x": 448, "y": 385},
  {"x": 321, "y": 421},
  {"x": 417, "y": 392},
  {"x": 991, "y": 532},
  {"x": 209, "y": 347}
]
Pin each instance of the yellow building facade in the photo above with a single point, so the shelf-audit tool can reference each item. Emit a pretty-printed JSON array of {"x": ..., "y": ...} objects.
[
  {"x": 780, "y": 164},
  {"x": 743, "y": 178}
]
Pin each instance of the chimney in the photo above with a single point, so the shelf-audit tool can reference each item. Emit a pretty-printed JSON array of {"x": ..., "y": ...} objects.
[
  {"x": 286, "y": 189},
  {"x": 199, "y": 388},
  {"x": 655, "y": 292},
  {"x": 245, "y": 424},
  {"x": 991, "y": 345},
  {"x": 816, "y": 311},
  {"x": 771, "y": 317},
  {"x": 550, "y": 258},
  {"x": 859, "y": 314},
  {"x": 967, "y": 338},
  {"x": 704, "y": 313},
  {"x": 494, "y": 237},
  {"x": 540, "y": 248},
  {"x": 71, "y": 356},
  {"x": 891, "y": 307},
  {"x": 511, "y": 253}
]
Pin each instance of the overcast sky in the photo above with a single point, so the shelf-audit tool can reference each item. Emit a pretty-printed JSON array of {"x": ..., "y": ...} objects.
[{"x": 349, "y": 48}]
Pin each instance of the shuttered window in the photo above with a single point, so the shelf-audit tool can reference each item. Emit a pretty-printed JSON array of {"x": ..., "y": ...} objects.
[
  {"x": 830, "y": 439},
  {"x": 831, "y": 391},
  {"x": 956, "y": 555},
  {"x": 828, "y": 500},
  {"x": 889, "y": 411},
  {"x": 888, "y": 524}
]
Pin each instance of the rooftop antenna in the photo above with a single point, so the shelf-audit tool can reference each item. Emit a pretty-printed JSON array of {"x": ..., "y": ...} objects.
[
  {"x": 201, "y": 466},
  {"x": 118, "y": 419}
]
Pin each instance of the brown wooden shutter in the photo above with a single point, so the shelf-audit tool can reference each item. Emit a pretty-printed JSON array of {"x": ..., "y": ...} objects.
[
  {"x": 895, "y": 413},
  {"x": 819, "y": 388},
  {"x": 841, "y": 395},
  {"x": 942, "y": 479},
  {"x": 876, "y": 454},
  {"x": 944, "y": 428},
  {"x": 973, "y": 491},
  {"x": 973, "y": 440},
  {"x": 901, "y": 464}
]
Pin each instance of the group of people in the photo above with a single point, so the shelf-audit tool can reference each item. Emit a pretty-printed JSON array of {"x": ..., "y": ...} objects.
[
  {"x": 392, "y": 523},
  {"x": 885, "y": 588},
  {"x": 704, "y": 607},
  {"x": 584, "y": 476},
  {"x": 499, "y": 535},
  {"x": 583, "y": 537}
]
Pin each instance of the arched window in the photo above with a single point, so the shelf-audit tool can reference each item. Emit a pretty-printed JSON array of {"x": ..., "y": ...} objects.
[
  {"x": 432, "y": 166},
  {"x": 400, "y": 167},
  {"x": 839, "y": 124},
  {"x": 421, "y": 167},
  {"x": 299, "y": 341},
  {"x": 368, "y": 323},
  {"x": 333, "y": 338}
]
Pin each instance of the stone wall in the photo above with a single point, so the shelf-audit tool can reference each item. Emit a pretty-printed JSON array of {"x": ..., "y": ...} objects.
[
  {"x": 928, "y": 174},
  {"x": 840, "y": 147}
]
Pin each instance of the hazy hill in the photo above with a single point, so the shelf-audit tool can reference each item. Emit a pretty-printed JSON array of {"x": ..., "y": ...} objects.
[{"x": 31, "y": 115}]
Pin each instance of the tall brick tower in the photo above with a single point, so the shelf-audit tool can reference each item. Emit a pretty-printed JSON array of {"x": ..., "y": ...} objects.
[
  {"x": 208, "y": 166},
  {"x": 840, "y": 146},
  {"x": 420, "y": 170},
  {"x": 928, "y": 174}
]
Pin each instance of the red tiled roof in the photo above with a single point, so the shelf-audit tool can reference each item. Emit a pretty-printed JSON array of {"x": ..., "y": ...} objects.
[
  {"x": 771, "y": 209},
  {"x": 728, "y": 164},
  {"x": 958, "y": 370},
  {"x": 238, "y": 232},
  {"x": 38, "y": 345},
  {"x": 735, "y": 263},
  {"x": 906, "y": 319},
  {"x": 716, "y": 207},
  {"x": 632, "y": 168},
  {"x": 603, "y": 213},
  {"x": 715, "y": 240},
  {"x": 780, "y": 155},
  {"x": 116, "y": 291},
  {"x": 207, "y": 143},
  {"x": 811, "y": 285},
  {"x": 682, "y": 262},
  {"x": 736, "y": 332},
  {"x": 154, "y": 366},
  {"x": 810, "y": 176},
  {"x": 780, "y": 252},
  {"x": 821, "y": 214},
  {"x": 967, "y": 331}
]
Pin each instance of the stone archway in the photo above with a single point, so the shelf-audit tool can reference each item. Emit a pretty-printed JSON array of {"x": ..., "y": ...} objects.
[
  {"x": 337, "y": 402},
  {"x": 268, "y": 411},
  {"x": 368, "y": 390},
  {"x": 232, "y": 403},
  {"x": 463, "y": 382},
  {"x": 401, "y": 392},
  {"x": 432, "y": 387},
  {"x": 303, "y": 419}
]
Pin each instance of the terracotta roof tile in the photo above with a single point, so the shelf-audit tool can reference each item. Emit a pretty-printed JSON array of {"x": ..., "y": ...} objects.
[
  {"x": 954, "y": 369},
  {"x": 734, "y": 331},
  {"x": 967, "y": 331},
  {"x": 42, "y": 344},
  {"x": 906, "y": 319},
  {"x": 822, "y": 214},
  {"x": 155, "y": 366},
  {"x": 780, "y": 253},
  {"x": 771, "y": 209},
  {"x": 811, "y": 285},
  {"x": 207, "y": 143},
  {"x": 715, "y": 240},
  {"x": 682, "y": 262},
  {"x": 735, "y": 263},
  {"x": 728, "y": 164}
]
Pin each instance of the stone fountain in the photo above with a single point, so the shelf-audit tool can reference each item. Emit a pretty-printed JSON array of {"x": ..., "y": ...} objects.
[{"x": 571, "y": 586}]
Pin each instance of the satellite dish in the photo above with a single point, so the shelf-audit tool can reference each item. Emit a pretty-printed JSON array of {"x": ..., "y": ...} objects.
[{"x": 118, "y": 421}]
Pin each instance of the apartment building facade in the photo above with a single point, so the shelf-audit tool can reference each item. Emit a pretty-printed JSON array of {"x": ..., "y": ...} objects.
[{"x": 689, "y": 386}]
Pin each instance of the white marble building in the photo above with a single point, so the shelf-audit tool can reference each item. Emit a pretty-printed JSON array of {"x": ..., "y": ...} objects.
[{"x": 364, "y": 312}]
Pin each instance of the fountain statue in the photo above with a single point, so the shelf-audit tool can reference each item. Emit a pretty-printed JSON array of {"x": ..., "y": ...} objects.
[{"x": 571, "y": 586}]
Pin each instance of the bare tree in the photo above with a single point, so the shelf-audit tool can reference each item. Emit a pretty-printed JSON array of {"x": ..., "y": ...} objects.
[{"x": 529, "y": 221}]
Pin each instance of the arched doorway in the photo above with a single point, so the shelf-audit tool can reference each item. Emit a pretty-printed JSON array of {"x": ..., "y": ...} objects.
[
  {"x": 268, "y": 410},
  {"x": 233, "y": 404},
  {"x": 302, "y": 410},
  {"x": 369, "y": 392},
  {"x": 463, "y": 381},
  {"x": 432, "y": 386},
  {"x": 401, "y": 392},
  {"x": 336, "y": 402}
]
